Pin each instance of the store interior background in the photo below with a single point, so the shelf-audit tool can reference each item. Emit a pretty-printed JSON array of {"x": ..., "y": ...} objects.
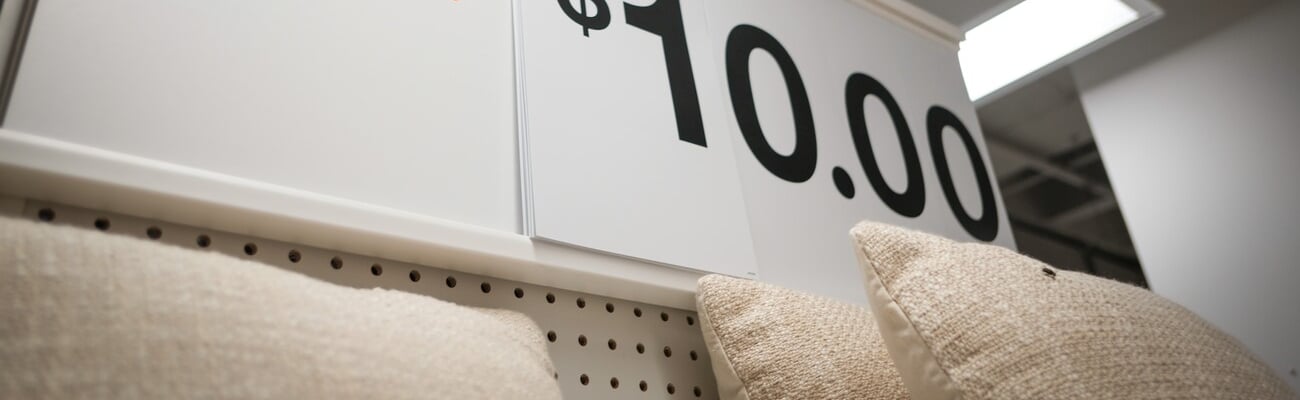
[{"x": 1167, "y": 159}]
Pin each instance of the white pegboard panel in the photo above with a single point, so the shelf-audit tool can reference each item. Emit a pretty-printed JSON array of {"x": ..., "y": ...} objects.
[{"x": 602, "y": 347}]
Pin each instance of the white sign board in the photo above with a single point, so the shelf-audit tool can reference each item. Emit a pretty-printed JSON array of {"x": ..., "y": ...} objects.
[{"x": 743, "y": 137}]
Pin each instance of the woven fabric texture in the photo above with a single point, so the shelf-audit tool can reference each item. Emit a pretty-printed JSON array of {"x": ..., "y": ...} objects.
[
  {"x": 782, "y": 344},
  {"x": 1004, "y": 326},
  {"x": 85, "y": 314}
]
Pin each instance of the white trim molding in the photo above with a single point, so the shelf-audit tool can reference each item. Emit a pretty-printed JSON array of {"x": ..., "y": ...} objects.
[
  {"x": 40, "y": 168},
  {"x": 916, "y": 19}
]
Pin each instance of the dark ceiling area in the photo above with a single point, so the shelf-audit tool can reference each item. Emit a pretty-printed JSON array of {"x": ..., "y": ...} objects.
[{"x": 1052, "y": 178}]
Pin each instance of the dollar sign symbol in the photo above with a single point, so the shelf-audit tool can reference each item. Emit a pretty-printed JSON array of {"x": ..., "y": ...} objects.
[{"x": 598, "y": 21}]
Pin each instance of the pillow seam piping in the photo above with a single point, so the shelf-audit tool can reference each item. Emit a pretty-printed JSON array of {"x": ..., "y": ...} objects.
[
  {"x": 722, "y": 349},
  {"x": 907, "y": 316}
]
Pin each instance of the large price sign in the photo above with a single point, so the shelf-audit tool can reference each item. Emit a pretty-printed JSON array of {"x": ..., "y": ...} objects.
[{"x": 743, "y": 137}]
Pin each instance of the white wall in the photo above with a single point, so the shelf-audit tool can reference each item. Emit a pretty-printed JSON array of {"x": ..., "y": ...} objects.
[
  {"x": 417, "y": 116},
  {"x": 1201, "y": 145}
]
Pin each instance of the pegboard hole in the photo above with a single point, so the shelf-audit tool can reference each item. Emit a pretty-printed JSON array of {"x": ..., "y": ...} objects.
[
  {"x": 582, "y": 303},
  {"x": 102, "y": 223},
  {"x": 551, "y": 336},
  {"x": 485, "y": 287},
  {"x": 698, "y": 392},
  {"x": 153, "y": 232},
  {"x": 663, "y": 316},
  {"x": 250, "y": 248},
  {"x": 672, "y": 389},
  {"x": 584, "y": 379},
  {"x": 295, "y": 256},
  {"x": 668, "y": 351},
  {"x": 582, "y": 340},
  {"x": 451, "y": 281},
  {"x": 203, "y": 241},
  {"x": 550, "y": 298},
  {"x": 414, "y": 275},
  {"x": 376, "y": 270},
  {"x": 640, "y": 348},
  {"x": 613, "y": 382},
  {"x": 694, "y": 355},
  {"x": 690, "y": 320},
  {"x": 643, "y": 386},
  {"x": 613, "y": 344},
  {"x": 336, "y": 263},
  {"x": 637, "y": 312},
  {"x": 45, "y": 214},
  {"x": 609, "y": 307},
  {"x": 519, "y": 293}
]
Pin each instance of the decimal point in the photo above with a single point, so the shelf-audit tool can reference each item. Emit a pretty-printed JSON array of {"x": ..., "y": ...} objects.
[{"x": 843, "y": 182}]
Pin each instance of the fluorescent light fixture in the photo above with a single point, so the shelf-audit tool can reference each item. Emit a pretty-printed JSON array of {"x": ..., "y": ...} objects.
[{"x": 1037, "y": 36}]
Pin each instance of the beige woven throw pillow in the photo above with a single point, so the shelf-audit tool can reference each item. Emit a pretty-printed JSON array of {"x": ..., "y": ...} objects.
[
  {"x": 85, "y": 314},
  {"x": 976, "y": 321},
  {"x": 768, "y": 342}
]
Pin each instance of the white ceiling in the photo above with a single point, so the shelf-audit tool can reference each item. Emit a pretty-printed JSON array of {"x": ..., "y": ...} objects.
[
  {"x": 1029, "y": 116},
  {"x": 965, "y": 14}
]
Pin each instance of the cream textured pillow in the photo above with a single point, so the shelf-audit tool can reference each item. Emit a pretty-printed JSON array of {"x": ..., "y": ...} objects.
[
  {"x": 768, "y": 342},
  {"x": 90, "y": 315},
  {"x": 975, "y": 321}
]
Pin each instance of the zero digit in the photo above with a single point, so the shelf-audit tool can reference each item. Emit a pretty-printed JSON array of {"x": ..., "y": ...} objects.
[
  {"x": 802, "y": 162},
  {"x": 985, "y": 228},
  {"x": 911, "y": 201}
]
